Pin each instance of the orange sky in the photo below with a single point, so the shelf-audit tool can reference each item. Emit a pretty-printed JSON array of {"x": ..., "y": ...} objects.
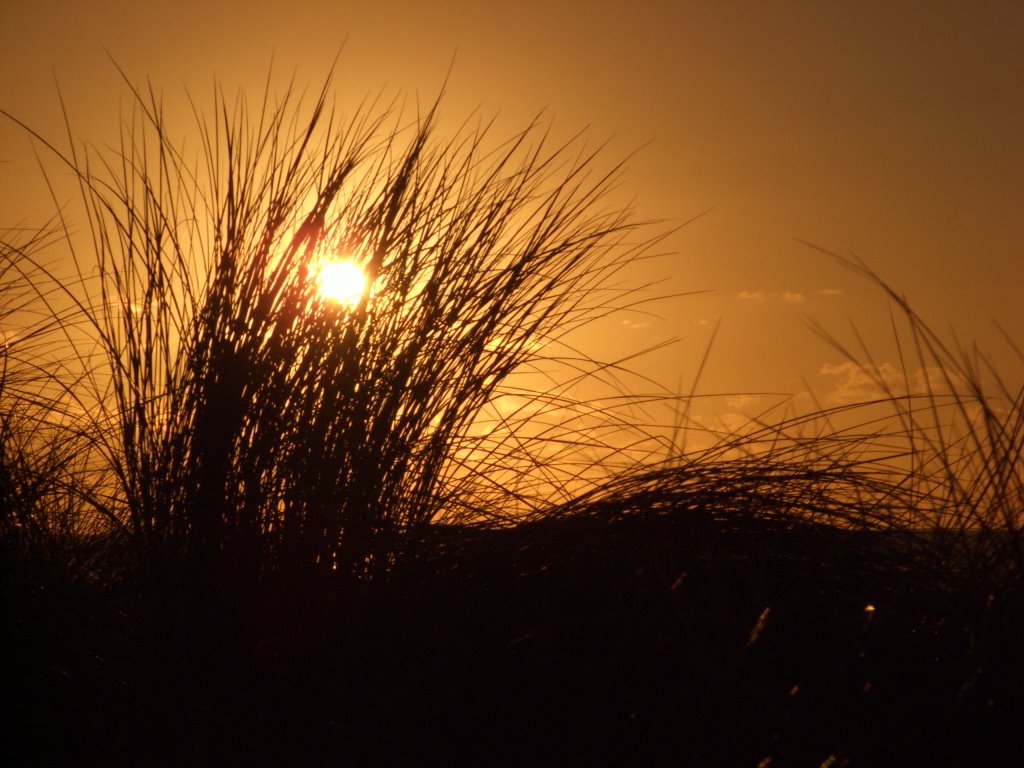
[{"x": 893, "y": 133}]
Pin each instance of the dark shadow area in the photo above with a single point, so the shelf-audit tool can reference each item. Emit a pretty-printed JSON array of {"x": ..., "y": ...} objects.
[{"x": 678, "y": 638}]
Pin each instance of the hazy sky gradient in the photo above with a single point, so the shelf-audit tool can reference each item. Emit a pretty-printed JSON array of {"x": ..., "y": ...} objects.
[{"x": 893, "y": 132}]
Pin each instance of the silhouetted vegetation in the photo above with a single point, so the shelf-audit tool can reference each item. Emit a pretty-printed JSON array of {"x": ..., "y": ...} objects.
[{"x": 244, "y": 524}]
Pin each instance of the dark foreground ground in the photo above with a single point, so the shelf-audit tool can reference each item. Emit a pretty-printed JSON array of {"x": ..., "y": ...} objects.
[{"x": 659, "y": 640}]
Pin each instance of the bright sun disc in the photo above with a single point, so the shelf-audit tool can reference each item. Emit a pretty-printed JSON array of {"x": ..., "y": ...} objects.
[{"x": 341, "y": 281}]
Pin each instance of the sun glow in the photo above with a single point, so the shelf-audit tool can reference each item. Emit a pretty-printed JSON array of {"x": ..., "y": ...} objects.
[{"x": 341, "y": 281}]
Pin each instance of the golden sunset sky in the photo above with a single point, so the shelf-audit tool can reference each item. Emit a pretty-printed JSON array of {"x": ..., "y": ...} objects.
[{"x": 890, "y": 130}]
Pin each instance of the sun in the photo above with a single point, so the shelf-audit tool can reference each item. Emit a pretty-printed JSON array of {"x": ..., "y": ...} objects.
[{"x": 341, "y": 281}]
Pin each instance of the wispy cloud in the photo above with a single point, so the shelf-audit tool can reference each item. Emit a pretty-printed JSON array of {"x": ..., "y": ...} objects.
[
  {"x": 862, "y": 383},
  {"x": 790, "y": 297},
  {"x": 734, "y": 423},
  {"x": 634, "y": 325},
  {"x": 856, "y": 384},
  {"x": 751, "y": 296},
  {"x": 742, "y": 401}
]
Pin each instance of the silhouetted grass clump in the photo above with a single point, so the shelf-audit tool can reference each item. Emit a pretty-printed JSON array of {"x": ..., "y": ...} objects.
[
  {"x": 242, "y": 521},
  {"x": 244, "y": 419}
]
